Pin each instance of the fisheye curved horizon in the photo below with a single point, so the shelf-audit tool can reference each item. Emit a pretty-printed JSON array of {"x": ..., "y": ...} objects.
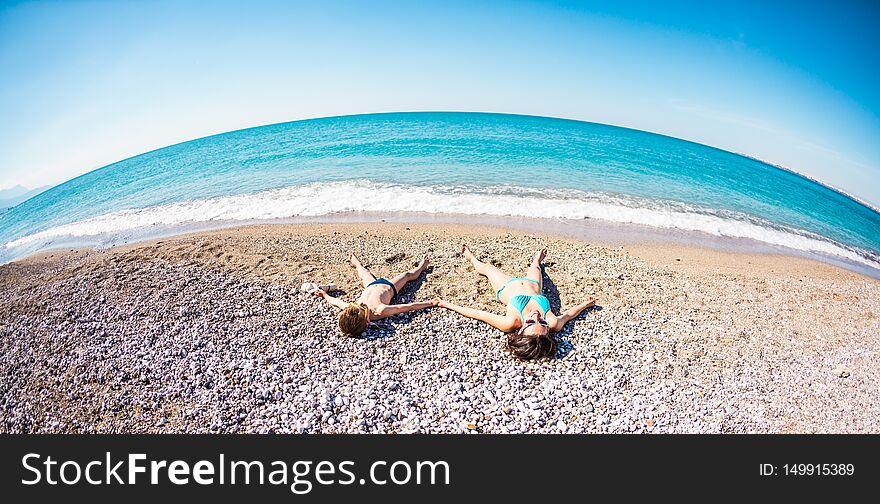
[{"x": 793, "y": 170}]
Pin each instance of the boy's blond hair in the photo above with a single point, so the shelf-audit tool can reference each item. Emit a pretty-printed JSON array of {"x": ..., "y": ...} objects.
[{"x": 353, "y": 320}]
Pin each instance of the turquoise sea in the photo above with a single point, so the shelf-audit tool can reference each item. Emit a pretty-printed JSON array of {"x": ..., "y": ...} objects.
[{"x": 448, "y": 163}]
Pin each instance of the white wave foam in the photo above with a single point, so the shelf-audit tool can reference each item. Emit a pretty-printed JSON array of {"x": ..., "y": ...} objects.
[{"x": 325, "y": 198}]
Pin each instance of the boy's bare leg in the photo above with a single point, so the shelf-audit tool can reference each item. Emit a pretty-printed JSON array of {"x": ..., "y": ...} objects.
[
  {"x": 402, "y": 279},
  {"x": 364, "y": 274}
]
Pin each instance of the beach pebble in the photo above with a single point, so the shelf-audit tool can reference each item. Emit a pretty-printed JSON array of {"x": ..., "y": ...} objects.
[{"x": 841, "y": 372}]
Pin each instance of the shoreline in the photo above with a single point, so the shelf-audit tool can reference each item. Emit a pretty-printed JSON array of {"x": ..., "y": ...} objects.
[
  {"x": 207, "y": 332},
  {"x": 657, "y": 248},
  {"x": 607, "y": 233}
]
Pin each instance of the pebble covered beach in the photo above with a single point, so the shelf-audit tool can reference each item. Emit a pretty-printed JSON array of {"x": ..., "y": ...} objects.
[{"x": 209, "y": 333}]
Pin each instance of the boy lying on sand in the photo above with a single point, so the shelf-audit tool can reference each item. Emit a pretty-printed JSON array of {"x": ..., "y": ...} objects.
[{"x": 374, "y": 301}]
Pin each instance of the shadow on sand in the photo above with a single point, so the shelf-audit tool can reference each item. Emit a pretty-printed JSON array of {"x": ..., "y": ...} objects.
[{"x": 563, "y": 344}]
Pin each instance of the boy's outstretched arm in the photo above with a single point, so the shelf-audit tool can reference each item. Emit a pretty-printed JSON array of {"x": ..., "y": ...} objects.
[
  {"x": 334, "y": 301},
  {"x": 389, "y": 310}
]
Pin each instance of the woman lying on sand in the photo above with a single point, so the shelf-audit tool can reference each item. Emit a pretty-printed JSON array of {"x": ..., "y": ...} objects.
[
  {"x": 374, "y": 301},
  {"x": 528, "y": 311}
]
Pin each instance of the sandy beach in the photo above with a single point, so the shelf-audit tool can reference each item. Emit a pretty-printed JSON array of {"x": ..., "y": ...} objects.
[{"x": 208, "y": 333}]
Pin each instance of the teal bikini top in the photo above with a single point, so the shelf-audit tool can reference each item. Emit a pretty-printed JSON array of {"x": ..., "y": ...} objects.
[{"x": 519, "y": 302}]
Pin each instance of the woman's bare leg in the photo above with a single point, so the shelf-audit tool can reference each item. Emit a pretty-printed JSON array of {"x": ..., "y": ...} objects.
[
  {"x": 363, "y": 273},
  {"x": 496, "y": 277},
  {"x": 402, "y": 279},
  {"x": 534, "y": 271}
]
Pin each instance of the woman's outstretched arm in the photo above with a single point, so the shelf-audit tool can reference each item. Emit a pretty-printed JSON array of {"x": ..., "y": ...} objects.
[
  {"x": 572, "y": 313},
  {"x": 500, "y": 322},
  {"x": 334, "y": 301}
]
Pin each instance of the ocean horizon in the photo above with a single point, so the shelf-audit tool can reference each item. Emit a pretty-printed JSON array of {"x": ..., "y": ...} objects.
[{"x": 448, "y": 163}]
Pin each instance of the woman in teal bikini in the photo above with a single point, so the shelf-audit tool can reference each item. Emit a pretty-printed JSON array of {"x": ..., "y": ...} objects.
[{"x": 528, "y": 317}]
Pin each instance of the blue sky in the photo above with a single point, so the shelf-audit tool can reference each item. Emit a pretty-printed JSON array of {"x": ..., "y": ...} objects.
[{"x": 85, "y": 84}]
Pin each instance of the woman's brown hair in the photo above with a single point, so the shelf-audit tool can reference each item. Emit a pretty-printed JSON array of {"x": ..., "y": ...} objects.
[{"x": 531, "y": 346}]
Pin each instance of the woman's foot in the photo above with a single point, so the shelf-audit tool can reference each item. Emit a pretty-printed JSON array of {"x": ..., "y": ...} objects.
[{"x": 354, "y": 260}]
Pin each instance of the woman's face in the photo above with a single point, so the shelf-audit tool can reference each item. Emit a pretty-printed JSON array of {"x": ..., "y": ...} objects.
[
  {"x": 535, "y": 329},
  {"x": 535, "y": 323}
]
